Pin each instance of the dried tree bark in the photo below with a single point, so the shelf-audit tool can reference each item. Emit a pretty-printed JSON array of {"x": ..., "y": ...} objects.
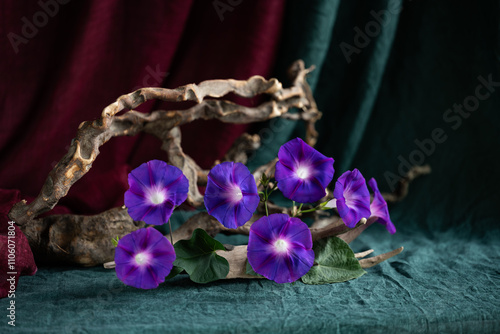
[
  {"x": 84, "y": 148},
  {"x": 86, "y": 240},
  {"x": 55, "y": 238}
]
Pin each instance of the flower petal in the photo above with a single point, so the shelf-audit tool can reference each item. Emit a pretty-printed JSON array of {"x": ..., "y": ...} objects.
[
  {"x": 222, "y": 174},
  {"x": 294, "y": 266},
  {"x": 379, "y": 208},
  {"x": 155, "y": 189},
  {"x": 297, "y": 234},
  {"x": 353, "y": 198},
  {"x": 157, "y": 173},
  {"x": 159, "y": 255},
  {"x": 302, "y": 172},
  {"x": 280, "y": 248},
  {"x": 177, "y": 187},
  {"x": 231, "y": 194}
]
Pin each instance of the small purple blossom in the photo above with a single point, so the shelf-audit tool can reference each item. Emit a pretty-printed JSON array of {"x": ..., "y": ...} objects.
[
  {"x": 302, "y": 172},
  {"x": 231, "y": 195},
  {"x": 280, "y": 248},
  {"x": 352, "y": 197},
  {"x": 156, "y": 188},
  {"x": 379, "y": 208},
  {"x": 144, "y": 258}
]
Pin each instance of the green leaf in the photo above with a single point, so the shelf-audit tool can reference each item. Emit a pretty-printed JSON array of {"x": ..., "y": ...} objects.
[
  {"x": 174, "y": 272},
  {"x": 114, "y": 241},
  {"x": 197, "y": 257},
  {"x": 335, "y": 262},
  {"x": 264, "y": 180},
  {"x": 249, "y": 271}
]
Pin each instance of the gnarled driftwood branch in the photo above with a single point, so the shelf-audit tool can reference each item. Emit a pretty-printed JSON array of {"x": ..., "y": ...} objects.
[{"x": 86, "y": 240}]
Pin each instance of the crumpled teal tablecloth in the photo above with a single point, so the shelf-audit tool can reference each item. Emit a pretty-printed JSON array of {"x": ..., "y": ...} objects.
[
  {"x": 397, "y": 90},
  {"x": 443, "y": 282}
]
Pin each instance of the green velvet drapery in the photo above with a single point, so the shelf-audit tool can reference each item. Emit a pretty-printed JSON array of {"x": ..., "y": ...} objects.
[{"x": 399, "y": 83}]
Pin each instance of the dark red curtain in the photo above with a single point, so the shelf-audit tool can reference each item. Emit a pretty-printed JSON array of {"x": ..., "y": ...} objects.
[{"x": 64, "y": 61}]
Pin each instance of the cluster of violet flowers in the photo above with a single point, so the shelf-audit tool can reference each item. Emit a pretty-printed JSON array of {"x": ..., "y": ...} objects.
[{"x": 279, "y": 246}]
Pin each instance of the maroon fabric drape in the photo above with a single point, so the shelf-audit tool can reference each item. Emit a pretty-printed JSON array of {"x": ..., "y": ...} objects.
[
  {"x": 16, "y": 258},
  {"x": 64, "y": 61}
]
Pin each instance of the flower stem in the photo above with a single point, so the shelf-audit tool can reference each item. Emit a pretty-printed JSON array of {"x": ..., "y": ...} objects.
[
  {"x": 300, "y": 211},
  {"x": 308, "y": 210},
  {"x": 170, "y": 229},
  {"x": 296, "y": 211},
  {"x": 265, "y": 194}
]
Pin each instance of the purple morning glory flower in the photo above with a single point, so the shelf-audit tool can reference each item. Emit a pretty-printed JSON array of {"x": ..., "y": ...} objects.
[
  {"x": 231, "y": 195},
  {"x": 156, "y": 188},
  {"x": 379, "y": 208},
  {"x": 280, "y": 248},
  {"x": 144, "y": 258},
  {"x": 352, "y": 197},
  {"x": 302, "y": 172}
]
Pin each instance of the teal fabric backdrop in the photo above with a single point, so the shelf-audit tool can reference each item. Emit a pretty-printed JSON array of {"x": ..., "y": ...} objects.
[{"x": 390, "y": 87}]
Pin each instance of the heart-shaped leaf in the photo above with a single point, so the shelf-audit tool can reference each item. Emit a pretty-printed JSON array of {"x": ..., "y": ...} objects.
[
  {"x": 334, "y": 262},
  {"x": 198, "y": 258},
  {"x": 174, "y": 272}
]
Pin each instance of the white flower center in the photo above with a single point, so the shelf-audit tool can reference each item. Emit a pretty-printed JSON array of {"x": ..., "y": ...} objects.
[
  {"x": 350, "y": 202},
  {"x": 141, "y": 258},
  {"x": 235, "y": 194},
  {"x": 281, "y": 246},
  {"x": 157, "y": 197},
  {"x": 302, "y": 172}
]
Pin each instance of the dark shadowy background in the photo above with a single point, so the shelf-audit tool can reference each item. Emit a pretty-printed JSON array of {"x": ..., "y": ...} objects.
[{"x": 399, "y": 83}]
